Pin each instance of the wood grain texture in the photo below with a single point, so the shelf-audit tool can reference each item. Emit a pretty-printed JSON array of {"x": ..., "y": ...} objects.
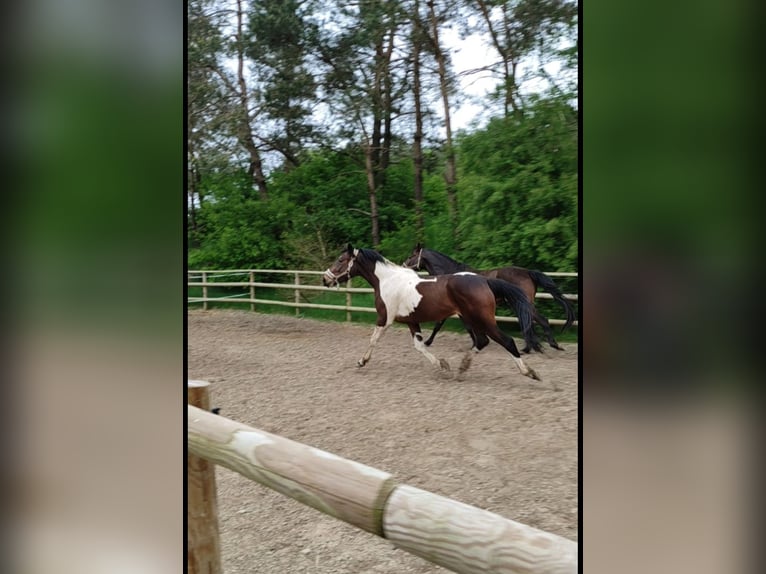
[
  {"x": 342, "y": 488},
  {"x": 470, "y": 540},
  {"x": 457, "y": 536},
  {"x": 203, "y": 539}
]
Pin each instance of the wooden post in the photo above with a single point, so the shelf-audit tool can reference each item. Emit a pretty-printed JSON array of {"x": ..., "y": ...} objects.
[
  {"x": 348, "y": 304},
  {"x": 470, "y": 540},
  {"x": 342, "y": 488},
  {"x": 204, "y": 291},
  {"x": 252, "y": 291},
  {"x": 297, "y": 294},
  {"x": 203, "y": 554}
]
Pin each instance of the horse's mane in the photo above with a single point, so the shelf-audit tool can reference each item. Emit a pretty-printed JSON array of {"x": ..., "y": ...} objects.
[
  {"x": 444, "y": 263},
  {"x": 372, "y": 256}
]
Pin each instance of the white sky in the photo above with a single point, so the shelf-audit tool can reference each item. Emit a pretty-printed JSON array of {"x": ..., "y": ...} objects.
[{"x": 471, "y": 53}]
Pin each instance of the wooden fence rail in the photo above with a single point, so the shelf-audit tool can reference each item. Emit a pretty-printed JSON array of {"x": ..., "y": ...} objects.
[
  {"x": 457, "y": 536},
  {"x": 297, "y": 287}
]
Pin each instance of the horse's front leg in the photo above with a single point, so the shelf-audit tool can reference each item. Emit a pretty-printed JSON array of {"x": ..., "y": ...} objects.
[
  {"x": 379, "y": 330},
  {"x": 417, "y": 339}
]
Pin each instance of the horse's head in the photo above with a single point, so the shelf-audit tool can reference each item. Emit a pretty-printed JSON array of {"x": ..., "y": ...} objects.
[
  {"x": 340, "y": 271},
  {"x": 414, "y": 260}
]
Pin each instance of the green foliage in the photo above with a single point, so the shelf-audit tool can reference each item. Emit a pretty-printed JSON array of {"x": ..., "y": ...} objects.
[
  {"x": 314, "y": 85},
  {"x": 518, "y": 189},
  {"x": 240, "y": 230},
  {"x": 517, "y": 198}
]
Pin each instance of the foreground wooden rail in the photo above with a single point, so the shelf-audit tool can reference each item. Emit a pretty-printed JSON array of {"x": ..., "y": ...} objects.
[{"x": 457, "y": 536}]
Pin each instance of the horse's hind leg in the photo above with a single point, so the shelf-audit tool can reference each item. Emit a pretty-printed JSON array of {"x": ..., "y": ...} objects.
[
  {"x": 437, "y": 328},
  {"x": 531, "y": 341},
  {"x": 501, "y": 338},
  {"x": 547, "y": 329},
  {"x": 379, "y": 330}
]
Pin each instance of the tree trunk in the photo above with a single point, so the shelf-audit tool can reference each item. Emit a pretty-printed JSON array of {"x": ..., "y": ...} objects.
[
  {"x": 372, "y": 191},
  {"x": 385, "y": 155},
  {"x": 507, "y": 55},
  {"x": 450, "y": 170},
  {"x": 417, "y": 148},
  {"x": 193, "y": 231},
  {"x": 255, "y": 168}
]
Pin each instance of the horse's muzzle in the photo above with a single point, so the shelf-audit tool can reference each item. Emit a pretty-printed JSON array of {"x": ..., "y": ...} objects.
[{"x": 329, "y": 279}]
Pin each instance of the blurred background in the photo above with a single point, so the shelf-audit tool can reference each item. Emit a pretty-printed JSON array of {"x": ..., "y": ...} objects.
[
  {"x": 93, "y": 119},
  {"x": 670, "y": 211},
  {"x": 671, "y": 238}
]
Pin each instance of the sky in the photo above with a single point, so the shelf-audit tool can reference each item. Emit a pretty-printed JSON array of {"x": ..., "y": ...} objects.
[{"x": 471, "y": 53}]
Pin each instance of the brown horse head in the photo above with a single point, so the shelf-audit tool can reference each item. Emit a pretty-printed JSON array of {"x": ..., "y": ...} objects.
[{"x": 341, "y": 271}]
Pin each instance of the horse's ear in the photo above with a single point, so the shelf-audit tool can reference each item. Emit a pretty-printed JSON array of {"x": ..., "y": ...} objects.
[
  {"x": 350, "y": 249},
  {"x": 419, "y": 246}
]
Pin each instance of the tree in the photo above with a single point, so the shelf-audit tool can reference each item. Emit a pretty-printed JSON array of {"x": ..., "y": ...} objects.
[
  {"x": 316, "y": 122},
  {"x": 418, "y": 38},
  {"x": 520, "y": 188},
  {"x": 280, "y": 37},
  {"x": 445, "y": 87},
  {"x": 516, "y": 29}
]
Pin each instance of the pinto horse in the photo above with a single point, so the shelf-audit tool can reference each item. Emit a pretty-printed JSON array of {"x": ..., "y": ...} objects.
[
  {"x": 403, "y": 296},
  {"x": 529, "y": 281}
]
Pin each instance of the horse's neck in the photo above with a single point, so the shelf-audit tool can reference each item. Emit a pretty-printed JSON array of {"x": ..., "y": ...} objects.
[
  {"x": 368, "y": 274},
  {"x": 441, "y": 265}
]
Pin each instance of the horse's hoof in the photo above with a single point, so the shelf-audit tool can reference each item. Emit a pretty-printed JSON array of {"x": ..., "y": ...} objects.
[
  {"x": 360, "y": 363},
  {"x": 444, "y": 365},
  {"x": 533, "y": 375}
]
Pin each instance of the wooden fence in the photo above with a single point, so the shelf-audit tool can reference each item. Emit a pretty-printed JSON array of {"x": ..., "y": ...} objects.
[
  {"x": 457, "y": 536},
  {"x": 207, "y": 278}
]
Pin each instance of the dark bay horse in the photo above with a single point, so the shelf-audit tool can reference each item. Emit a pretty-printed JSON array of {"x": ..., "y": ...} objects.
[
  {"x": 436, "y": 263},
  {"x": 403, "y": 296}
]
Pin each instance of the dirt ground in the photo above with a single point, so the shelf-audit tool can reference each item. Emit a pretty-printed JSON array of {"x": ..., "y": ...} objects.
[{"x": 496, "y": 440}]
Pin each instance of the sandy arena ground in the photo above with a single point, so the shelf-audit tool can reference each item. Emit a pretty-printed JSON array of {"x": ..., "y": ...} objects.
[{"x": 496, "y": 440}]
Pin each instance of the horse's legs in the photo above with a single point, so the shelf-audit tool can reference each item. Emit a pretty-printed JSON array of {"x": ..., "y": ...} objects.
[
  {"x": 480, "y": 341},
  {"x": 379, "y": 330},
  {"x": 437, "y": 327},
  {"x": 417, "y": 340},
  {"x": 498, "y": 336},
  {"x": 547, "y": 329},
  {"x": 530, "y": 339}
]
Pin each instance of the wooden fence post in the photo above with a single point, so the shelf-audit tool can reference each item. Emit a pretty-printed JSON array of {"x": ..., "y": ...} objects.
[
  {"x": 297, "y": 294},
  {"x": 348, "y": 304},
  {"x": 204, "y": 291},
  {"x": 203, "y": 554},
  {"x": 252, "y": 291}
]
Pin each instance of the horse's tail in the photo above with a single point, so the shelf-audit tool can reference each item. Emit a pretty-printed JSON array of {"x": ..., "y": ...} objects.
[
  {"x": 517, "y": 301},
  {"x": 541, "y": 280}
]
